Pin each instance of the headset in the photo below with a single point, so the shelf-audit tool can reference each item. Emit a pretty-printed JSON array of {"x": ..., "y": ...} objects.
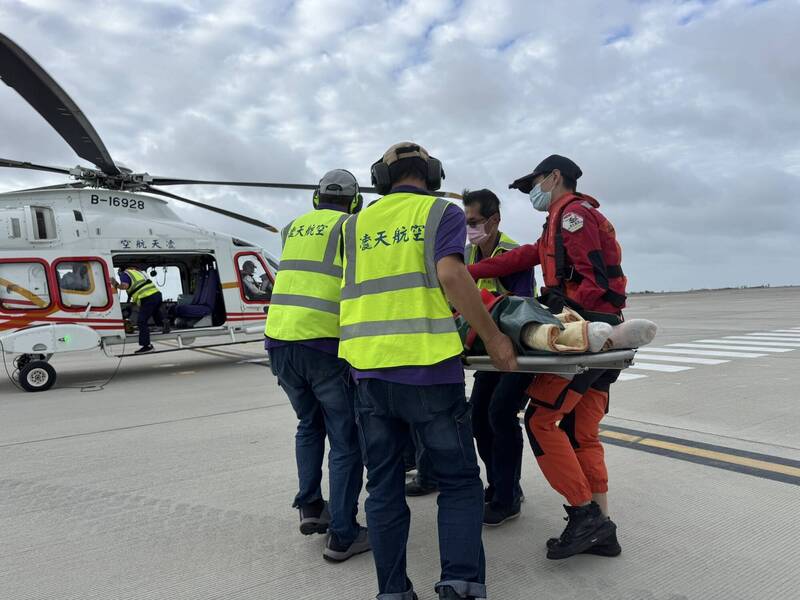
[
  {"x": 382, "y": 180},
  {"x": 356, "y": 203}
]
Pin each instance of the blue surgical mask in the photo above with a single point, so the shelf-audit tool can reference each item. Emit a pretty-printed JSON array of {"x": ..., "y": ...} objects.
[{"x": 539, "y": 199}]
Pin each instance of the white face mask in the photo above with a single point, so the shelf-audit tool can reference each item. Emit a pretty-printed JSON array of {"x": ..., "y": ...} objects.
[
  {"x": 539, "y": 199},
  {"x": 477, "y": 234}
]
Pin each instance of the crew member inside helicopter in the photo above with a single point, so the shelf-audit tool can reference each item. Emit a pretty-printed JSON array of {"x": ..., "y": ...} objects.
[
  {"x": 253, "y": 290},
  {"x": 145, "y": 294}
]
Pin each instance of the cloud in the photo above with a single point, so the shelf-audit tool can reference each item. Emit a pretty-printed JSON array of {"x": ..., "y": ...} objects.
[{"x": 682, "y": 115}]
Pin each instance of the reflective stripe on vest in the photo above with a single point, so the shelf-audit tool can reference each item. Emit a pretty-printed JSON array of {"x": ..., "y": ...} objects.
[
  {"x": 305, "y": 299},
  {"x": 141, "y": 287},
  {"x": 393, "y": 312},
  {"x": 504, "y": 245}
]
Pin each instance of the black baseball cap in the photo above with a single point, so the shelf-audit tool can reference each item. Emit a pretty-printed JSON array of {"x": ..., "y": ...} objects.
[{"x": 549, "y": 164}]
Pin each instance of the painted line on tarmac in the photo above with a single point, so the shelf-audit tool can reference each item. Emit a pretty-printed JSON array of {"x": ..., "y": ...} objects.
[
  {"x": 724, "y": 353},
  {"x": 691, "y": 360},
  {"x": 644, "y": 366},
  {"x": 630, "y": 377},
  {"x": 730, "y": 459},
  {"x": 762, "y": 341},
  {"x": 723, "y": 346}
]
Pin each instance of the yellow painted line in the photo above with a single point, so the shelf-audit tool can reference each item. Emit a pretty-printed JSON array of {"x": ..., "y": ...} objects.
[
  {"x": 230, "y": 285},
  {"x": 625, "y": 437},
  {"x": 721, "y": 456},
  {"x": 186, "y": 372}
]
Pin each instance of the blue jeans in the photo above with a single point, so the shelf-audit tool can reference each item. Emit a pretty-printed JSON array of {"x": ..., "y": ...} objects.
[
  {"x": 319, "y": 387},
  {"x": 440, "y": 416}
]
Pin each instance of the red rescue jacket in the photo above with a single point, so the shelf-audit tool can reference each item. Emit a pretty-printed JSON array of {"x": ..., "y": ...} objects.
[{"x": 579, "y": 255}]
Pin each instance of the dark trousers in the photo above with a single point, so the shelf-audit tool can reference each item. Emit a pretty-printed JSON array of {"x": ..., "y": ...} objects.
[
  {"x": 414, "y": 454},
  {"x": 496, "y": 400},
  {"x": 440, "y": 417},
  {"x": 321, "y": 392},
  {"x": 149, "y": 307}
]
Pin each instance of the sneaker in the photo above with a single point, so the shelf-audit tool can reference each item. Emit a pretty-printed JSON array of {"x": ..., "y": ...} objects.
[
  {"x": 144, "y": 349},
  {"x": 166, "y": 328},
  {"x": 495, "y": 515},
  {"x": 586, "y": 527},
  {"x": 314, "y": 518},
  {"x": 336, "y": 552},
  {"x": 608, "y": 547},
  {"x": 448, "y": 593},
  {"x": 415, "y": 488}
]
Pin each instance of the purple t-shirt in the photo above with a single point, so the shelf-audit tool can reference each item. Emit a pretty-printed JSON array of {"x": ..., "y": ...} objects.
[
  {"x": 450, "y": 238},
  {"x": 519, "y": 283},
  {"x": 327, "y": 345}
]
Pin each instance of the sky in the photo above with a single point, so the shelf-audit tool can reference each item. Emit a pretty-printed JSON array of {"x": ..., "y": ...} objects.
[{"x": 683, "y": 115}]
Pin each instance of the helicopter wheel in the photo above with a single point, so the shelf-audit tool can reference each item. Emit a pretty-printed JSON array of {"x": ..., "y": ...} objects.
[{"x": 37, "y": 376}]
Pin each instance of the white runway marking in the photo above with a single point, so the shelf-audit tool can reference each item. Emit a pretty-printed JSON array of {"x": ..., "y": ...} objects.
[
  {"x": 779, "y": 334},
  {"x": 724, "y": 353},
  {"x": 759, "y": 341},
  {"x": 692, "y": 360},
  {"x": 722, "y": 346},
  {"x": 630, "y": 376},
  {"x": 659, "y": 367}
]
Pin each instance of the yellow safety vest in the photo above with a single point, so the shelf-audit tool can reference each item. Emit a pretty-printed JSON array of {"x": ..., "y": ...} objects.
[
  {"x": 141, "y": 287},
  {"x": 305, "y": 299},
  {"x": 504, "y": 245},
  {"x": 393, "y": 310}
]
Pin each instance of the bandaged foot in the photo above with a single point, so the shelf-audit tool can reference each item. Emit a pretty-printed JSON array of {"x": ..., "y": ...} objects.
[
  {"x": 598, "y": 335},
  {"x": 632, "y": 334}
]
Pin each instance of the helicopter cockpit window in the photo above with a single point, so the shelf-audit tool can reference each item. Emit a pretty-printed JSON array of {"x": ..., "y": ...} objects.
[
  {"x": 255, "y": 281},
  {"x": 81, "y": 284},
  {"x": 23, "y": 286}
]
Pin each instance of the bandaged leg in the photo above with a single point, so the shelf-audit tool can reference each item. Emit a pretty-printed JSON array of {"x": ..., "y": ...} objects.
[
  {"x": 577, "y": 336},
  {"x": 632, "y": 334}
]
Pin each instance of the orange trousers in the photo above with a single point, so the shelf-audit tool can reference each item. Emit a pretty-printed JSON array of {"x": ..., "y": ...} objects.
[{"x": 563, "y": 426}]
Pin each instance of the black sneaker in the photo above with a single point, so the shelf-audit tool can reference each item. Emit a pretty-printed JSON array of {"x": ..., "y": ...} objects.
[
  {"x": 448, "y": 593},
  {"x": 495, "y": 515},
  {"x": 586, "y": 527},
  {"x": 608, "y": 547},
  {"x": 144, "y": 349},
  {"x": 336, "y": 552},
  {"x": 314, "y": 518},
  {"x": 415, "y": 488}
]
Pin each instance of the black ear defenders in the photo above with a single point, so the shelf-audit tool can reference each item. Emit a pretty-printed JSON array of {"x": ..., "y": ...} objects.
[
  {"x": 356, "y": 202},
  {"x": 382, "y": 180}
]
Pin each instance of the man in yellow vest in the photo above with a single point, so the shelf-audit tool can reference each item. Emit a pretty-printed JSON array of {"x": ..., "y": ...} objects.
[
  {"x": 403, "y": 267},
  {"x": 143, "y": 293},
  {"x": 497, "y": 397},
  {"x": 302, "y": 340}
]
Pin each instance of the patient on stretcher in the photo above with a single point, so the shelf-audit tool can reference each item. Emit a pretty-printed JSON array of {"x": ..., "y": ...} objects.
[
  {"x": 579, "y": 335},
  {"x": 533, "y": 329}
]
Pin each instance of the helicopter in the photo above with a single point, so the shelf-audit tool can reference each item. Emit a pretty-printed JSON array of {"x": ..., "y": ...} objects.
[{"x": 61, "y": 244}]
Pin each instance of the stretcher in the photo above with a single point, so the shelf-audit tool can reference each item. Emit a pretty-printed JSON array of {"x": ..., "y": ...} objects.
[{"x": 560, "y": 364}]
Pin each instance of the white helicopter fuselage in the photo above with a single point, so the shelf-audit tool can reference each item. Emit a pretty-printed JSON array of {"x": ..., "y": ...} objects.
[{"x": 60, "y": 249}]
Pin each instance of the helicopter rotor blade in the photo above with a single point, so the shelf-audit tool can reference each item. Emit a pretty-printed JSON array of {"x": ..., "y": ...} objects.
[
  {"x": 221, "y": 211},
  {"x": 59, "y": 186},
  {"x": 286, "y": 186},
  {"x": 21, "y": 72},
  {"x": 16, "y": 164},
  {"x": 282, "y": 186}
]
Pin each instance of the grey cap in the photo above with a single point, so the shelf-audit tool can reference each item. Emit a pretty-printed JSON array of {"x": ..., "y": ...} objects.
[{"x": 338, "y": 182}]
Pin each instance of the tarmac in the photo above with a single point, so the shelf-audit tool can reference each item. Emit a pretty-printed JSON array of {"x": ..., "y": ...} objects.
[{"x": 175, "y": 480}]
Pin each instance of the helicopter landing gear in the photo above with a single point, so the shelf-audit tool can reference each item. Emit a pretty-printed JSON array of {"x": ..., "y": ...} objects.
[{"x": 34, "y": 373}]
